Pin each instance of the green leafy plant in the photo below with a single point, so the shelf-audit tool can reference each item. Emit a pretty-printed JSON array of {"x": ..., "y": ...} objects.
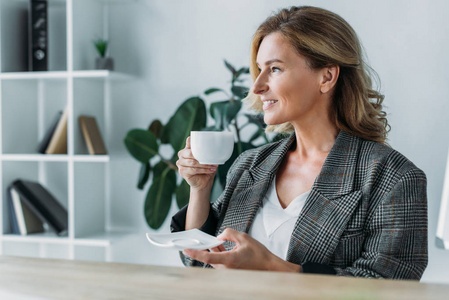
[
  {"x": 144, "y": 144},
  {"x": 101, "y": 46}
]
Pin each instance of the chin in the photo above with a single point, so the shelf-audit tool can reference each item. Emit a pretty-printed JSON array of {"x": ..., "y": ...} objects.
[
  {"x": 270, "y": 121},
  {"x": 267, "y": 121}
]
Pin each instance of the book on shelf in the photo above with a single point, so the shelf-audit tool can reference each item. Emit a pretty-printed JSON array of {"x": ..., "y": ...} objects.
[
  {"x": 43, "y": 204},
  {"x": 24, "y": 221},
  {"x": 49, "y": 134},
  {"x": 58, "y": 141},
  {"x": 92, "y": 135},
  {"x": 38, "y": 35},
  {"x": 12, "y": 213}
]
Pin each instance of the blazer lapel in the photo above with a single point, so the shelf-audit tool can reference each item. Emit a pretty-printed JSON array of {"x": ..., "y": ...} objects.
[
  {"x": 253, "y": 185},
  {"x": 329, "y": 206}
]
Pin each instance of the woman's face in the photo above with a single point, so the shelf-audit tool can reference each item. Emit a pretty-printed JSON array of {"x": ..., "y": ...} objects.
[{"x": 288, "y": 88}]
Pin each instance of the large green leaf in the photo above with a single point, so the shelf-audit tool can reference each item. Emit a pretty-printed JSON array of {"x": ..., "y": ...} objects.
[
  {"x": 241, "y": 71},
  {"x": 256, "y": 119},
  {"x": 239, "y": 91},
  {"x": 233, "y": 109},
  {"x": 174, "y": 158},
  {"x": 159, "y": 196},
  {"x": 191, "y": 115},
  {"x": 216, "y": 191},
  {"x": 222, "y": 170},
  {"x": 141, "y": 144},
  {"x": 144, "y": 174},
  {"x": 156, "y": 128},
  {"x": 224, "y": 112},
  {"x": 183, "y": 194},
  {"x": 218, "y": 110},
  {"x": 209, "y": 128}
]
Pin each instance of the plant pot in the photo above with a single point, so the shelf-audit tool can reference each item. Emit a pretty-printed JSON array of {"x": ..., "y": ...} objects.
[{"x": 104, "y": 63}]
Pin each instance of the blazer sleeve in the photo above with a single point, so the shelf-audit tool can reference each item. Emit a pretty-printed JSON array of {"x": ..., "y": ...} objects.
[
  {"x": 178, "y": 223},
  {"x": 210, "y": 226},
  {"x": 396, "y": 235}
]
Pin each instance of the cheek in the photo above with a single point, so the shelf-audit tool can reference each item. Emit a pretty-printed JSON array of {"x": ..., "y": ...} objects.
[
  {"x": 301, "y": 89},
  {"x": 293, "y": 93},
  {"x": 287, "y": 89}
]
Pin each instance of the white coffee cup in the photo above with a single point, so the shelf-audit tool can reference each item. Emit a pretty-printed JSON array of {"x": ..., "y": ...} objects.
[{"x": 211, "y": 147}]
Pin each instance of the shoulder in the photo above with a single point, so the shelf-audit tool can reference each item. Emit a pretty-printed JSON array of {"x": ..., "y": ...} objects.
[{"x": 385, "y": 164}]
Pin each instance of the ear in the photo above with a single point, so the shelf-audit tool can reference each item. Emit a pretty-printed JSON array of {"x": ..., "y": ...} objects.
[{"x": 329, "y": 77}]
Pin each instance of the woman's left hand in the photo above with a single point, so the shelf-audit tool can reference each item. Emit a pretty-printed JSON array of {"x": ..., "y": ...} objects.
[{"x": 247, "y": 254}]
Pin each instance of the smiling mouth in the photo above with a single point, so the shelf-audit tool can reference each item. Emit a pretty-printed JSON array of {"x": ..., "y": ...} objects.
[{"x": 268, "y": 103}]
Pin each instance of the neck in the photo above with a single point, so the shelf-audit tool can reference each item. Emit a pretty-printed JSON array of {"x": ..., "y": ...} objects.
[{"x": 315, "y": 138}]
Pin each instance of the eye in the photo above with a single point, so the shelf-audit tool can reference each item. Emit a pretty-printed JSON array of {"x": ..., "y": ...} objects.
[{"x": 275, "y": 69}]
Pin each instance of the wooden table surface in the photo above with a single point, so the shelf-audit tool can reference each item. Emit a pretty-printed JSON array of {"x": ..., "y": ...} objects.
[{"x": 34, "y": 278}]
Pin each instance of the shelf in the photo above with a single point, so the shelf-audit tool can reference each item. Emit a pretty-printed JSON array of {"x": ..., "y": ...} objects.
[
  {"x": 33, "y": 75},
  {"x": 34, "y": 157},
  {"x": 101, "y": 74},
  {"x": 54, "y": 157},
  {"x": 91, "y": 158},
  {"x": 47, "y": 237},
  {"x": 55, "y": 75},
  {"x": 30, "y": 101},
  {"x": 99, "y": 240}
]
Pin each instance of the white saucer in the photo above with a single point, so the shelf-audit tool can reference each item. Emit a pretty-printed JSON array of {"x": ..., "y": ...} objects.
[{"x": 189, "y": 239}]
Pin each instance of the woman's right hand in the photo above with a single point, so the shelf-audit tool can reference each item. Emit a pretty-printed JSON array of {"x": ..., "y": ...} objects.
[{"x": 198, "y": 176}]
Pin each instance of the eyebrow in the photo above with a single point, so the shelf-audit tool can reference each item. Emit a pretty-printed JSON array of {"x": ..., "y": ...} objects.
[{"x": 271, "y": 61}]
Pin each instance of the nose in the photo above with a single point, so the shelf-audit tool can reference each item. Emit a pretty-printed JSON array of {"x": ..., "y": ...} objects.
[{"x": 260, "y": 86}]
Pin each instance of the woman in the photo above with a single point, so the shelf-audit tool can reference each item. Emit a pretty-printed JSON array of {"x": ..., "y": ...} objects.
[{"x": 331, "y": 198}]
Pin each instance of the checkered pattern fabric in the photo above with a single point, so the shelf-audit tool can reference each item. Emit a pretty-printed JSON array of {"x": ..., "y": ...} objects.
[{"x": 366, "y": 215}]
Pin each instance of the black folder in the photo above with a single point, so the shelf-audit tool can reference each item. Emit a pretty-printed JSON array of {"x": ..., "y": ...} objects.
[
  {"x": 12, "y": 214},
  {"x": 38, "y": 35},
  {"x": 49, "y": 134},
  {"x": 43, "y": 204}
]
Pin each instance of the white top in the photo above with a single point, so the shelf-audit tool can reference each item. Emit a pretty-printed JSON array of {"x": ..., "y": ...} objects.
[{"x": 273, "y": 225}]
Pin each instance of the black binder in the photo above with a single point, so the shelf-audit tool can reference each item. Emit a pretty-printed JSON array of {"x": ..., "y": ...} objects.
[
  {"x": 12, "y": 213},
  {"x": 38, "y": 35},
  {"x": 49, "y": 134},
  {"x": 43, "y": 204}
]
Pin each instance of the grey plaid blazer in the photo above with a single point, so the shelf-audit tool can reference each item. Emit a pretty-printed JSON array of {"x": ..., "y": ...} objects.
[{"x": 366, "y": 215}]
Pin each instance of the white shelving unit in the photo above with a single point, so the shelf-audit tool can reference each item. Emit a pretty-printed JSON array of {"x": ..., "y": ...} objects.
[{"x": 28, "y": 103}]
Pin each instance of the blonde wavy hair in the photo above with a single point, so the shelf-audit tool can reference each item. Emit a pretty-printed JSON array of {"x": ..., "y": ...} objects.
[{"x": 324, "y": 38}]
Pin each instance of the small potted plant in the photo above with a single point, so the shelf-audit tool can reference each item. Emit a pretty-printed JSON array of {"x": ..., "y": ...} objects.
[{"x": 103, "y": 62}]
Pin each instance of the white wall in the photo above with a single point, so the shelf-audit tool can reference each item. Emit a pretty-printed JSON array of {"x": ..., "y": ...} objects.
[{"x": 176, "y": 48}]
